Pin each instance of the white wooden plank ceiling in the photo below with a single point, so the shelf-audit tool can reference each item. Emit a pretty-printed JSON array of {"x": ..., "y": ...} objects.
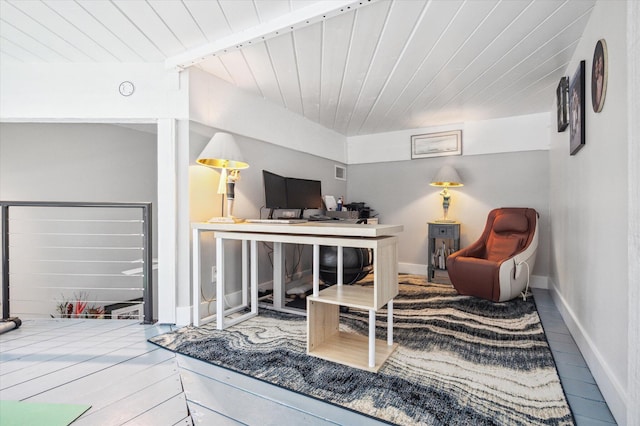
[{"x": 357, "y": 67}]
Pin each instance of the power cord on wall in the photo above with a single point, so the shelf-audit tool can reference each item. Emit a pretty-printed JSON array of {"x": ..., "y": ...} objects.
[
  {"x": 212, "y": 300},
  {"x": 297, "y": 259}
]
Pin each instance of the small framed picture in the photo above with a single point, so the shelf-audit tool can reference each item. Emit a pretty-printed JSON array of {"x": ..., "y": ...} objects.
[
  {"x": 576, "y": 110},
  {"x": 436, "y": 144},
  {"x": 599, "y": 75},
  {"x": 562, "y": 94}
]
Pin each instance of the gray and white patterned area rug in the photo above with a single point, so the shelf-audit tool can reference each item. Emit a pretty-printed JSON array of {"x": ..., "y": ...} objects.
[{"x": 460, "y": 360}]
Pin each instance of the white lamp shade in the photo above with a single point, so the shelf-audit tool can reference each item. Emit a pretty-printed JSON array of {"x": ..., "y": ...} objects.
[
  {"x": 222, "y": 152},
  {"x": 447, "y": 177}
]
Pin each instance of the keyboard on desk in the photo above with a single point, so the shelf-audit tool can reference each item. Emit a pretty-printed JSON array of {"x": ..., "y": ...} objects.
[{"x": 285, "y": 221}]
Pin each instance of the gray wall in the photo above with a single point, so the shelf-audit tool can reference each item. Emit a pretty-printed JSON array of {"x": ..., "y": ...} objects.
[
  {"x": 78, "y": 162},
  {"x": 285, "y": 162},
  {"x": 591, "y": 221},
  {"x": 400, "y": 193}
]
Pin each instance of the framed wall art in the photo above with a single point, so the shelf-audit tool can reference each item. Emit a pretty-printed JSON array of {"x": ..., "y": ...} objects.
[
  {"x": 562, "y": 93},
  {"x": 436, "y": 144},
  {"x": 576, "y": 110},
  {"x": 599, "y": 75}
]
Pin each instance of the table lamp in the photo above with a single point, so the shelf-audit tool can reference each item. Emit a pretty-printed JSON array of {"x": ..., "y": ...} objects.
[
  {"x": 446, "y": 177},
  {"x": 222, "y": 152}
]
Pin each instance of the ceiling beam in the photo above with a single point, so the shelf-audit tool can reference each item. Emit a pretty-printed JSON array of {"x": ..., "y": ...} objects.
[{"x": 289, "y": 22}]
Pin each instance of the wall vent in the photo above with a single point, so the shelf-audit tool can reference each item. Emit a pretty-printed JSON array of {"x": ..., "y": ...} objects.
[{"x": 340, "y": 173}]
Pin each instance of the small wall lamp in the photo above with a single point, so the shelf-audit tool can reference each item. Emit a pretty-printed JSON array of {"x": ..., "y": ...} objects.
[
  {"x": 222, "y": 152},
  {"x": 446, "y": 177}
]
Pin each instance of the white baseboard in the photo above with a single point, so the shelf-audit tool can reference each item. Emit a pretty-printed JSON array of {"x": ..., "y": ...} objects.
[
  {"x": 412, "y": 268},
  {"x": 613, "y": 392},
  {"x": 230, "y": 299},
  {"x": 539, "y": 281},
  {"x": 536, "y": 281},
  {"x": 297, "y": 279},
  {"x": 209, "y": 308}
]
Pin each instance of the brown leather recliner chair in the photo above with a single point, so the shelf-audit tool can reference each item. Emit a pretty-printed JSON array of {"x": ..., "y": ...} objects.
[{"x": 497, "y": 266}]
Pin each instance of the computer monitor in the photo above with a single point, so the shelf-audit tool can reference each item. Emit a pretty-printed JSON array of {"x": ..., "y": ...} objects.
[
  {"x": 275, "y": 190},
  {"x": 303, "y": 194}
]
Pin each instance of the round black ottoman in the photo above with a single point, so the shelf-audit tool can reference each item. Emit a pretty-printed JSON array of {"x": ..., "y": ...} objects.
[{"x": 357, "y": 263}]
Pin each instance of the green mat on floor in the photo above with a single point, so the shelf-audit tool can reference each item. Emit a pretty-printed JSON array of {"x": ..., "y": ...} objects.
[{"x": 38, "y": 413}]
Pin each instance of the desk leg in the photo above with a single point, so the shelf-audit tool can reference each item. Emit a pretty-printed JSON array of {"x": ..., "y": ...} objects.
[
  {"x": 390, "y": 322},
  {"x": 219, "y": 283},
  {"x": 316, "y": 270},
  {"x": 196, "y": 277},
  {"x": 372, "y": 338},
  {"x": 340, "y": 265},
  {"x": 278, "y": 276},
  {"x": 245, "y": 281},
  {"x": 254, "y": 277}
]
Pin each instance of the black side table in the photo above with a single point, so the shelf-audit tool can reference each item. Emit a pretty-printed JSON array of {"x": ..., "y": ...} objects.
[{"x": 444, "y": 239}]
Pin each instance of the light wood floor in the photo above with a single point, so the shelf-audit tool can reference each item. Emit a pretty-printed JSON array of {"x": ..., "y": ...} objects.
[
  {"x": 110, "y": 365},
  {"x": 106, "y": 363}
]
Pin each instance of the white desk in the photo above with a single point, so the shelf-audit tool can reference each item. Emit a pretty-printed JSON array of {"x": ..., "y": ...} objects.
[{"x": 324, "y": 338}]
